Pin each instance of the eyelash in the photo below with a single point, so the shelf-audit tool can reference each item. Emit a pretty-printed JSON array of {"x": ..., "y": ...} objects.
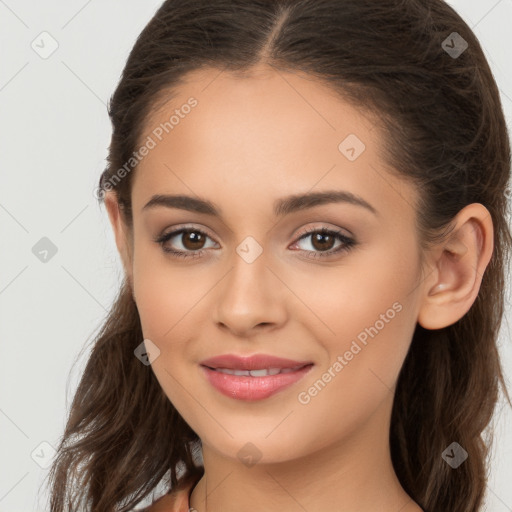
[{"x": 347, "y": 243}]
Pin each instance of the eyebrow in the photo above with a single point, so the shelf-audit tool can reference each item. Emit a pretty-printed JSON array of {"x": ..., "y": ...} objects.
[{"x": 283, "y": 206}]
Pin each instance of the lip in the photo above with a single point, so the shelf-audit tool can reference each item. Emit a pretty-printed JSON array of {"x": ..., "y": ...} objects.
[
  {"x": 254, "y": 362},
  {"x": 241, "y": 387}
]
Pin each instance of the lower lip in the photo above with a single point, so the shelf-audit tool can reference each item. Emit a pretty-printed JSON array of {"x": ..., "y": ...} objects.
[{"x": 242, "y": 387}]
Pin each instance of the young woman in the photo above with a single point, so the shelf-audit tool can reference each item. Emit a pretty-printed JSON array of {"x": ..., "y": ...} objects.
[{"x": 309, "y": 202}]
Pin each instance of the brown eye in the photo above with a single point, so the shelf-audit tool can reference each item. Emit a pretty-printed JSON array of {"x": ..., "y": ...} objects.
[
  {"x": 192, "y": 240},
  {"x": 322, "y": 241},
  {"x": 189, "y": 242}
]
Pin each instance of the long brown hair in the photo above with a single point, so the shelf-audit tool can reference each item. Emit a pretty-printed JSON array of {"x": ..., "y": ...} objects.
[{"x": 445, "y": 130}]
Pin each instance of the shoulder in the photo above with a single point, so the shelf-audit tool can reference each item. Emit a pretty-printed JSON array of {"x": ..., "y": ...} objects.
[
  {"x": 175, "y": 501},
  {"x": 166, "y": 503},
  {"x": 178, "y": 499}
]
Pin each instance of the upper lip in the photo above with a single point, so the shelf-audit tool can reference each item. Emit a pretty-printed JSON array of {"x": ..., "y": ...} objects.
[{"x": 255, "y": 362}]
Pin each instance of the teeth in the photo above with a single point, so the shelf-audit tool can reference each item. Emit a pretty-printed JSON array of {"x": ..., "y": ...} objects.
[{"x": 257, "y": 373}]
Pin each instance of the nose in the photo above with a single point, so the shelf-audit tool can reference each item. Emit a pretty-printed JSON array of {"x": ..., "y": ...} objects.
[{"x": 251, "y": 297}]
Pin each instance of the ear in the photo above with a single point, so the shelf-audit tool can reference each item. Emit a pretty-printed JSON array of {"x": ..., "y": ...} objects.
[
  {"x": 458, "y": 265},
  {"x": 123, "y": 240}
]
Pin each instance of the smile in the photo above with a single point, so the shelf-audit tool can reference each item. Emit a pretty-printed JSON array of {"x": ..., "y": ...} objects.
[{"x": 253, "y": 385}]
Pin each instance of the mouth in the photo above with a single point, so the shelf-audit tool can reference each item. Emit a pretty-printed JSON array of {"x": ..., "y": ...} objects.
[
  {"x": 264, "y": 372},
  {"x": 252, "y": 385}
]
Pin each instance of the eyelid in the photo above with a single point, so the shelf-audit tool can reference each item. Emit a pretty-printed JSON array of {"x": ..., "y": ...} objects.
[
  {"x": 325, "y": 227},
  {"x": 347, "y": 242},
  {"x": 186, "y": 227}
]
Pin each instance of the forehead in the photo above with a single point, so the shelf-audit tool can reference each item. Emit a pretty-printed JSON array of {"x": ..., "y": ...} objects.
[
  {"x": 281, "y": 109},
  {"x": 250, "y": 138}
]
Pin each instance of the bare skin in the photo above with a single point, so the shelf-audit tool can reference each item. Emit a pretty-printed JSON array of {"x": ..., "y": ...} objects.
[{"x": 248, "y": 142}]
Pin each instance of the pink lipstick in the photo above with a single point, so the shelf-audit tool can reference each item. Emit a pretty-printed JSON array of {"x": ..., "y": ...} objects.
[{"x": 255, "y": 377}]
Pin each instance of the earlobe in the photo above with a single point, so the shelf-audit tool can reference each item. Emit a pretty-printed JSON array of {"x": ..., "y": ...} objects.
[
  {"x": 458, "y": 264},
  {"x": 119, "y": 228}
]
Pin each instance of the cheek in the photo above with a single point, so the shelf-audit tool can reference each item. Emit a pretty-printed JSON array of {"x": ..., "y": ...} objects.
[
  {"x": 368, "y": 313},
  {"x": 350, "y": 297},
  {"x": 167, "y": 299},
  {"x": 166, "y": 292},
  {"x": 372, "y": 319}
]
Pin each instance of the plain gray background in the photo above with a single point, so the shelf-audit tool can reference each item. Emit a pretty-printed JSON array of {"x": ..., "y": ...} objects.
[{"x": 55, "y": 133}]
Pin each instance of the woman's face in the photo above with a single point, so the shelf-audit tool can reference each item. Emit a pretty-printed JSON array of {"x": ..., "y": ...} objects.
[{"x": 253, "y": 284}]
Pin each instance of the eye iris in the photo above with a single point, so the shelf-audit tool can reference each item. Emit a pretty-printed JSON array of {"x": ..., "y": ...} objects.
[
  {"x": 318, "y": 238},
  {"x": 194, "y": 237}
]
